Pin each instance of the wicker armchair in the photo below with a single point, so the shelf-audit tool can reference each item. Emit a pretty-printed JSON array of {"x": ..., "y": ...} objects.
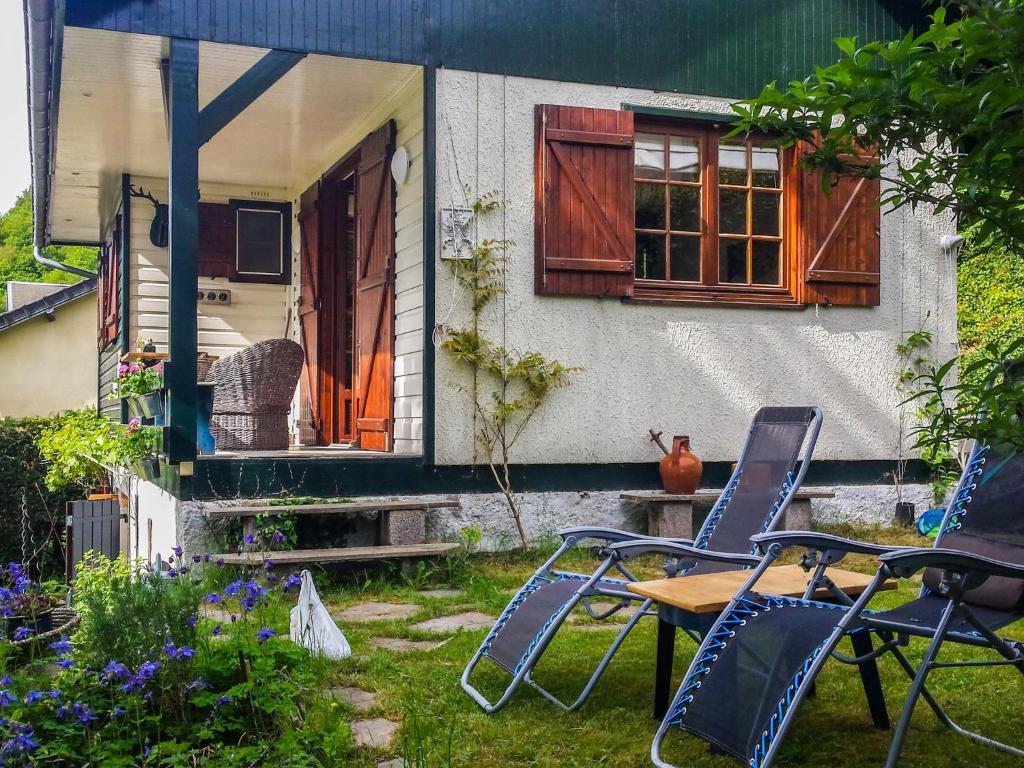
[{"x": 252, "y": 395}]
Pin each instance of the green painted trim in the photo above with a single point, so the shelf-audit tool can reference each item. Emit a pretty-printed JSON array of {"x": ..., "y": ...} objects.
[
  {"x": 681, "y": 114},
  {"x": 327, "y": 476}
]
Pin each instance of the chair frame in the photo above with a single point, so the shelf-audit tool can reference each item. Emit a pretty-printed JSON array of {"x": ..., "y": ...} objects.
[{"x": 615, "y": 548}]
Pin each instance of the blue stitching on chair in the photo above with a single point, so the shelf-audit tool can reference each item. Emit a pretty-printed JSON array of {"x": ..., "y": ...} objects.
[
  {"x": 744, "y": 607},
  {"x": 787, "y": 488},
  {"x": 959, "y": 506},
  {"x": 715, "y": 515}
]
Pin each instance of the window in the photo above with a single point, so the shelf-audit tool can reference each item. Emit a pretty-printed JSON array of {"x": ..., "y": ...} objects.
[
  {"x": 261, "y": 242},
  {"x": 709, "y": 211}
]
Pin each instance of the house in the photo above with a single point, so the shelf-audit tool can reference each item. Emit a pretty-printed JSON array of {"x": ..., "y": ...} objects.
[
  {"x": 316, "y": 160},
  {"x": 47, "y": 348}
]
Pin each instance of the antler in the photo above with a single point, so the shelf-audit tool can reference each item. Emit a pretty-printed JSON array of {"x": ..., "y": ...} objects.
[{"x": 141, "y": 192}]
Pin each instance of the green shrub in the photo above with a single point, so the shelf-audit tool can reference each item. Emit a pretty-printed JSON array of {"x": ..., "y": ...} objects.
[
  {"x": 31, "y": 512},
  {"x": 76, "y": 444}
]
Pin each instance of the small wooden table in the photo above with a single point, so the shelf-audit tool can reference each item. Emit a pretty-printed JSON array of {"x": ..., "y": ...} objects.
[
  {"x": 671, "y": 514},
  {"x": 694, "y": 602}
]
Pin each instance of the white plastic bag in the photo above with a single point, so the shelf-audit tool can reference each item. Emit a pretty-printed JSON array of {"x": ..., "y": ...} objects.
[{"x": 312, "y": 626}]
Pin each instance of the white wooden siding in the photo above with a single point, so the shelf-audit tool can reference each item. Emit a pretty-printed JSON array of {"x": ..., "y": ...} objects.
[{"x": 257, "y": 311}]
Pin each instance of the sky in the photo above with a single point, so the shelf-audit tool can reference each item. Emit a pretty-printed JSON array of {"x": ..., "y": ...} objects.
[{"x": 14, "y": 162}]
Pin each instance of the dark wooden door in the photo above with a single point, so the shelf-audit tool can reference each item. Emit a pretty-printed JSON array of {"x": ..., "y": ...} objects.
[
  {"x": 310, "y": 425},
  {"x": 374, "y": 295}
]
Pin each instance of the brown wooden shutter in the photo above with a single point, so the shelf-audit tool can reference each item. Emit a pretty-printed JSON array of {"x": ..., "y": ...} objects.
[
  {"x": 108, "y": 288},
  {"x": 374, "y": 303},
  {"x": 837, "y": 245},
  {"x": 309, "y": 307},
  {"x": 216, "y": 240},
  {"x": 584, "y": 201}
]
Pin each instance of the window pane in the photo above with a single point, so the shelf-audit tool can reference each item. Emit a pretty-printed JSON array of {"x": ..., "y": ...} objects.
[
  {"x": 650, "y": 206},
  {"x": 685, "y": 202},
  {"x": 650, "y": 256},
  {"x": 765, "y": 162},
  {"x": 684, "y": 154},
  {"x": 260, "y": 242},
  {"x": 732, "y": 163},
  {"x": 732, "y": 261},
  {"x": 732, "y": 211},
  {"x": 766, "y": 213},
  {"x": 765, "y": 263},
  {"x": 686, "y": 258},
  {"x": 650, "y": 156}
]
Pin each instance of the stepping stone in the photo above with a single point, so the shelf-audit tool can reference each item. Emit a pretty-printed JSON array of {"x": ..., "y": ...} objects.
[
  {"x": 468, "y": 621},
  {"x": 357, "y": 698},
  {"x": 400, "y": 644},
  {"x": 440, "y": 594},
  {"x": 378, "y": 612},
  {"x": 373, "y": 733},
  {"x": 218, "y": 615},
  {"x": 396, "y": 762}
]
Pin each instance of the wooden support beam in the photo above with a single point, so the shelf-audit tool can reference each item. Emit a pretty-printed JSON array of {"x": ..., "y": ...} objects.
[
  {"x": 234, "y": 99},
  {"x": 183, "y": 249}
]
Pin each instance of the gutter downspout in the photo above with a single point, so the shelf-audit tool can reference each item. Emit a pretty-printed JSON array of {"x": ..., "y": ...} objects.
[{"x": 39, "y": 52}]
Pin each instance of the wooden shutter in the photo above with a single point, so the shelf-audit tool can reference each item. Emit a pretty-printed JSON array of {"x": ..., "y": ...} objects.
[
  {"x": 374, "y": 303},
  {"x": 108, "y": 289},
  {"x": 584, "y": 201},
  {"x": 836, "y": 237},
  {"x": 309, "y": 307},
  {"x": 216, "y": 240}
]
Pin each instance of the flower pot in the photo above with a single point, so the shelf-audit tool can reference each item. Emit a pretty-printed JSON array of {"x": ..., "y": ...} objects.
[
  {"x": 680, "y": 469},
  {"x": 148, "y": 468},
  {"x": 905, "y": 513},
  {"x": 151, "y": 405},
  {"x": 40, "y": 623}
]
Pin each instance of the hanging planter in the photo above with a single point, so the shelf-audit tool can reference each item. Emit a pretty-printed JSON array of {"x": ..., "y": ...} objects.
[
  {"x": 150, "y": 405},
  {"x": 147, "y": 468}
]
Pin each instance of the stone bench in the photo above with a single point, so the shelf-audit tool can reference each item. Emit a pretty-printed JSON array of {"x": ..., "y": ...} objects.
[{"x": 671, "y": 514}]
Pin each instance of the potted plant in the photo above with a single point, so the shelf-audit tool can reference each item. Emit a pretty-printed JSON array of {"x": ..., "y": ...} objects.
[
  {"x": 26, "y": 606},
  {"x": 141, "y": 386},
  {"x": 136, "y": 447}
]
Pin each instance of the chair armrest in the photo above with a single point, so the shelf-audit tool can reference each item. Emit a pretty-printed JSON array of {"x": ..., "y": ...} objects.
[
  {"x": 907, "y": 562},
  {"x": 652, "y": 546},
  {"x": 612, "y": 535},
  {"x": 823, "y": 542}
]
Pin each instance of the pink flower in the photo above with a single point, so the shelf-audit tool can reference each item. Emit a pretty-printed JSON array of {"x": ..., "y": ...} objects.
[
  {"x": 159, "y": 367},
  {"x": 134, "y": 368},
  {"x": 133, "y": 426},
  {"x": 122, "y": 370}
]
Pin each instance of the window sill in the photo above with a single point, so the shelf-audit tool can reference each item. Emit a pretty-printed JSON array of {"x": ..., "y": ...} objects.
[{"x": 708, "y": 297}]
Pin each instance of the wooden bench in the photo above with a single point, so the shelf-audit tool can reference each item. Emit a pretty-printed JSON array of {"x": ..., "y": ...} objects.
[
  {"x": 401, "y": 529},
  {"x": 671, "y": 515}
]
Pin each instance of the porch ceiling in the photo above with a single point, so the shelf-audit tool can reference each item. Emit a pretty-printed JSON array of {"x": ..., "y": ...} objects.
[{"x": 111, "y": 121}]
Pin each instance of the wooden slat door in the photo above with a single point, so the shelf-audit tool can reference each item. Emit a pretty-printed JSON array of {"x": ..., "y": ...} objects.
[
  {"x": 374, "y": 291},
  {"x": 98, "y": 526},
  {"x": 309, "y": 309}
]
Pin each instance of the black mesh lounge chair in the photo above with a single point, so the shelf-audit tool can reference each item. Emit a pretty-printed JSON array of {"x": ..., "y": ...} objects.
[
  {"x": 759, "y": 490},
  {"x": 763, "y": 654}
]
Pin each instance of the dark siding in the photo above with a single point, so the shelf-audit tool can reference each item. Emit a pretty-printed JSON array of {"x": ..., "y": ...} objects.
[
  {"x": 724, "y": 47},
  {"x": 108, "y": 359}
]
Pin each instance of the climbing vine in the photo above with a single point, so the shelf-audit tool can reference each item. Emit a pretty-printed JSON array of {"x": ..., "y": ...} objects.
[{"x": 509, "y": 386}]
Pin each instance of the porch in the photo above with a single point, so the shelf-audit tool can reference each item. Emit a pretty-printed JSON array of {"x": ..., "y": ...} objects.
[{"x": 303, "y": 229}]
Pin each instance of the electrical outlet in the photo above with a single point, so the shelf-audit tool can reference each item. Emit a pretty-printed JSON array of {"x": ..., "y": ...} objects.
[{"x": 214, "y": 296}]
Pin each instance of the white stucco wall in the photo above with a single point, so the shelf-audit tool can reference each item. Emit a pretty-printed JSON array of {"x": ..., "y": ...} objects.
[
  {"x": 45, "y": 366},
  {"x": 701, "y": 371}
]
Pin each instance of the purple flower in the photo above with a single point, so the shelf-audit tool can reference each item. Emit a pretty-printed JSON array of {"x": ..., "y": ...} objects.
[
  {"x": 265, "y": 634},
  {"x": 148, "y": 698},
  {"x": 213, "y": 598},
  {"x": 54, "y": 694},
  {"x": 292, "y": 581},
  {"x": 65, "y": 663},
  {"x": 7, "y": 698},
  {"x": 149, "y": 668},
  {"x": 277, "y": 538},
  {"x": 248, "y": 538},
  {"x": 62, "y": 711},
  {"x": 196, "y": 559},
  {"x": 206, "y": 557},
  {"x": 34, "y": 696},
  {"x": 23, "y": 632},
  {"x": 117, "y": 712},
  {"x": 268, "y": 565},
  {"x": 146, "y": 750},
  {"x": 191, "y": 620},
  {"x": 219, "y": 561},
  {"x": 177, "y": 552},
  {"x": 184, "y": 652},
  {"x": 5, "y": 680},
  {"x": 21, "y": 743},
  {"x": 114, "y": 671},
  {"x": 183, "y": 570},
  {"x": 221, "y": 701},
  {"x": 216, "y": 630},
  {"x": 62, "y": 646},
  {"x": 198, "y": 685},
  {"x": 82, "y": 712},
  {"x": 233, "y": 588}
]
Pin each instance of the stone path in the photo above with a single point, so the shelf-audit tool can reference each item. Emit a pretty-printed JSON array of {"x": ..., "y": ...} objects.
[
  {"x": 357, "y": 698},
  {"x": 446, "y": 624},
  {"x": 377, "y": 732},
  {"x": 396, "y": 762},
  {"x": 377, "y": 612},
  {"x": 440, "y": 594}
]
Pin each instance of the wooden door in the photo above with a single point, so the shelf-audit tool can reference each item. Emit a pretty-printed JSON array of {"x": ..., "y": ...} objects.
[
  {"x": 374, "y": 294},
  {"x": 309, "y": 312}
]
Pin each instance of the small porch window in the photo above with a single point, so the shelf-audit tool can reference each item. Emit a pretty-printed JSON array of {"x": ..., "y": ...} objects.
[{"x": 262, "y": 242}]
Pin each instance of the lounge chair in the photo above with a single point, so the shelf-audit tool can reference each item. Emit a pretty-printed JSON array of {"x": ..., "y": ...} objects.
[
  {"x": 761, "y": 658},
  {"x": 756, "y": 496}
]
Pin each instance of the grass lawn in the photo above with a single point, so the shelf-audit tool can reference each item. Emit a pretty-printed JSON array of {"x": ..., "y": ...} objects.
[{"x": 441, "y": 726}]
